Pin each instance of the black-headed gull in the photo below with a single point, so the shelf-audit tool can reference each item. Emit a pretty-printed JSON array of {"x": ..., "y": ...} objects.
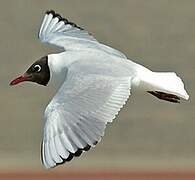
[{"x": 93, "y": 81}]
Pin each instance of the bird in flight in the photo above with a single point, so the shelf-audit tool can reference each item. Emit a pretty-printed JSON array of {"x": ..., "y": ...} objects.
[{"x": 93, "y": 82}]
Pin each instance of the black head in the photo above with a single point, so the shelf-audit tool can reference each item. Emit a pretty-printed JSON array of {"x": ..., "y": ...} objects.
[{"x": 38, "y": 72}]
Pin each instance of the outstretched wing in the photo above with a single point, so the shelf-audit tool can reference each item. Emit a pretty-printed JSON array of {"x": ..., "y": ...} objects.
[
  {"x": 76, "y": 117},
  {"x": 60, "y": 32}
]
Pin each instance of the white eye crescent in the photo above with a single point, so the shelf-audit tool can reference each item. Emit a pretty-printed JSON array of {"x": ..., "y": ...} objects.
[{"x": 37, "y": 68}]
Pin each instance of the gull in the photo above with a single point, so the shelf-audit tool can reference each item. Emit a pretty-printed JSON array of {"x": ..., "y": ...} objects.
[{"x": 93, "y": 82}]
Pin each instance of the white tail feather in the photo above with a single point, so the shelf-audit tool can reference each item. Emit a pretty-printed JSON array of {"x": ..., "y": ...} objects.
[{"x": 167, "y": 82}]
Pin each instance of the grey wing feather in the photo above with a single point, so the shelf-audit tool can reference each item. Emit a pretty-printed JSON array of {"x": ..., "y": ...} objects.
[
  {"x": 76, "y": 118},
  {"x": 62, "y": 33}
]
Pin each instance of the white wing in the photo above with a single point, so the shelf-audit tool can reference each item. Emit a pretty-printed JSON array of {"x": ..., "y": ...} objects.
[
  {"x": 60, "y": 32},
  {"x": 76, "y": 117}
]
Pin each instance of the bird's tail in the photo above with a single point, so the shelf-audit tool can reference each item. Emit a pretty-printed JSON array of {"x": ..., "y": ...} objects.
[{"x": 164, "y": 85}]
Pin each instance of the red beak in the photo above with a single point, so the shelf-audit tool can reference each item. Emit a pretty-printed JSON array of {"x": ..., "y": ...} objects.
[{"x": 19, "y": 80}]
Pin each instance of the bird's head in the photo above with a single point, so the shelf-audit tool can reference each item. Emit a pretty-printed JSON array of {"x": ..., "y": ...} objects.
[{"x": 38, "y": 72}]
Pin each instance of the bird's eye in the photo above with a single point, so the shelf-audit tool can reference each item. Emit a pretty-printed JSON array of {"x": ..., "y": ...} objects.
[{"x": 37, "y": 68}]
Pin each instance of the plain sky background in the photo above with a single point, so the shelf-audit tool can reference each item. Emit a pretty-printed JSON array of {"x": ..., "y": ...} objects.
[{"x": 159, "y": 34}]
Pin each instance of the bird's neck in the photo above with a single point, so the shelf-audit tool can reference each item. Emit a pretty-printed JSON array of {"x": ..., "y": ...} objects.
[{"x": 58, "y": 70}]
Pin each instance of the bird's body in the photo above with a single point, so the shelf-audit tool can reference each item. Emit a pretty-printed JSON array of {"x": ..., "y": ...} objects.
[
  {"x": 91, "y": 62},
  {"x": 88, "y": 63},
  {"x": 93, "y": 81}
]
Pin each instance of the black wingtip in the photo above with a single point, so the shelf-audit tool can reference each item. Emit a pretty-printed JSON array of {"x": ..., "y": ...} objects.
[
  {"x": 50, "y": 12},
  {"x": 87, "y": 148},
  {"x": 72, "y": 155},
  {"x": 78, "y": 153},
  {"x": 66, "y": 21}
]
